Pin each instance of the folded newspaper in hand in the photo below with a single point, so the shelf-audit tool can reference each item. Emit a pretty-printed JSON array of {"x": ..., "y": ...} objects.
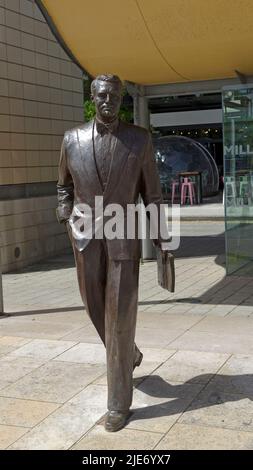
[{"x": 166, "y": 270}]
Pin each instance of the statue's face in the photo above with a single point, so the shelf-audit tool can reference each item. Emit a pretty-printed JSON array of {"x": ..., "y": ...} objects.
[{"x": 107, "y": 99}]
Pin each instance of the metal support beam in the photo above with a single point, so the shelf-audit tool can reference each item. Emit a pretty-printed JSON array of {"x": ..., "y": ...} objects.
[
  {"x": 141, "y": 111},
  {"x": 185, "y": 88},
  {"x": 141, "y": 118},
  {"x": 242, "y": 77}
]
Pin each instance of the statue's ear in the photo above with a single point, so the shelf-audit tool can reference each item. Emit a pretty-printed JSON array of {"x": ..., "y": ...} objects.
[{"x": 92, "y": 98}]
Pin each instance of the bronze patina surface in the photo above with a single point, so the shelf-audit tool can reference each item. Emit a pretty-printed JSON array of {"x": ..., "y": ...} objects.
[{"x": 110, "y": 158}]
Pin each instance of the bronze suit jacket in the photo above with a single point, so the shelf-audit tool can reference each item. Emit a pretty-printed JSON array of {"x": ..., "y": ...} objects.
[{"x": 132, "y": 173}]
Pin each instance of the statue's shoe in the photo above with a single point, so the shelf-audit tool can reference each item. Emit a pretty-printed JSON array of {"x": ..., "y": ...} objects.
[
  {"x": 138, "y": 359},
  {"x": 116, "y": 420}
]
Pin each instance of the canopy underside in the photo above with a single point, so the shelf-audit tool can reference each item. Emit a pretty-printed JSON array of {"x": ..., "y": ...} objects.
[{"x": 162, "y": 41}]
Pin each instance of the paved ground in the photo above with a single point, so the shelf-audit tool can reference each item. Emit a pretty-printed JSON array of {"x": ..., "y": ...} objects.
[
  {"x": 205, "y": 211},
  {"x": 194, "y": 389},
  {"x": 211, "y": 209}
]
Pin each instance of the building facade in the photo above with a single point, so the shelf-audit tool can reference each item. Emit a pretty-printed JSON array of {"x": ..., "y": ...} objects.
[{"x": 41, "y": 95}]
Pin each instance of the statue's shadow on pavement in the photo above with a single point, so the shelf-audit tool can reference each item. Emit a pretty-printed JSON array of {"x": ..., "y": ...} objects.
[{"x": 210, "y": 390}]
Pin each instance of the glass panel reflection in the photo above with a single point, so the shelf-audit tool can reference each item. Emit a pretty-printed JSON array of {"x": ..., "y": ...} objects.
[
  {"x": 177, "y": 154},
  {"x": 238, "y": 177}
]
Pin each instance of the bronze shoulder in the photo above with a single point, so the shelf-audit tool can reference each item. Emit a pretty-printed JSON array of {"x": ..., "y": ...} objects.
[{"x": 86, "y": 126}]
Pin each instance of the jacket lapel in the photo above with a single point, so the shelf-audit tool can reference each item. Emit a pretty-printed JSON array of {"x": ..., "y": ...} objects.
[
  {"x": 84, "y": 137},
  {"x": 119, "y": 159}
]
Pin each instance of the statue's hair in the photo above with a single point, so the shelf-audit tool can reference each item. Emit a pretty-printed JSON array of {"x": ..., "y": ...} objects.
[{"x": 105, "y": 78}]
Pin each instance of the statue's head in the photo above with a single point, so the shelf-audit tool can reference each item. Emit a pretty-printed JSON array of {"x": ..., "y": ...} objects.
[{"x": 106, "y": 93}]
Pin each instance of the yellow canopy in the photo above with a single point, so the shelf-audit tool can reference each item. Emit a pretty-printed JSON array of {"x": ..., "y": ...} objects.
[{"x": 158, "y": 41}]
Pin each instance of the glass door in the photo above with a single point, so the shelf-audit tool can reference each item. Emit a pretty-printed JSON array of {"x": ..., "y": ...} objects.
[{"x": 238, "y": 177}]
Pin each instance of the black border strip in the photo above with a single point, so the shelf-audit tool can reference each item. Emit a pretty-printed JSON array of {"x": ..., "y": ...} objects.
[
  {"x": 58, "y": 36},
  {"x": 10, "y": 192}
]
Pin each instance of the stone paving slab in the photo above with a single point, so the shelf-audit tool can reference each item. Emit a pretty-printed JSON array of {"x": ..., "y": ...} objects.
[
  {"x": 192, "y": 366},
  {"x": 54, "y": 382},
  {"x": 214, "y": 408},
  {"x": 146, "y": 368},
  {"x": 157, "y": 404},
  {"x": 213, "y": 342},
  {"x": 33, "y": 329},
  {"x": 61, "y": 429},
  {"x": 162, "y": 320},
  {"x": 236, "y": 376},
  {"x": 92, "y": 396},
  {"x": 24, "y": 413},
  {"x": 125, "y": 439},
  {"x": 87, "y": 353},
  {"x": 232, "y": 325},
  {"x": 79, "y": 317},
  {"x": 4, "y": 383},
  {"x": 43, "y": 349},
  {"x": 193, "y": 389},
  {"x": 85, "y": 334},
  {"x": 12, "y": 368},
  {"x": 193, "y": 437},
  {"x": 145, "y": 337},
  {"x": 9, "y": 343},
  {"x": 10, "y": 434}
]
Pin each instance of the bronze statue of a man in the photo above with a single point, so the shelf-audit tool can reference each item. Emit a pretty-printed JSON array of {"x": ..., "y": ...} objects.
[{"x": 110, "y": 158}]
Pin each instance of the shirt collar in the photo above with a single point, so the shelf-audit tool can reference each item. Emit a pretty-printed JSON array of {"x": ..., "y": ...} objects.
[{"x": 103, "y": 128}]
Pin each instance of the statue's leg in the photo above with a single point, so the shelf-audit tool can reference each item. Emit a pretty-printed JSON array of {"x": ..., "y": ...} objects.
[
  {"x": 138, "y": 356},
  {"x": 91, "y": 274},
  {"x": 120, "y": 323}
]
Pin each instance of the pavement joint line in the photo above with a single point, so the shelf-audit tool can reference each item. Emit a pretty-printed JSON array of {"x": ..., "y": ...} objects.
[
  {"x": 27, "y": 432},
  {"x": 196, "y": 396},
  {"x": 197, "y": 322},
  {"x": 90, "y": 383},
  {"x": 185, "y": 265},
  {"x": 181, "y": 334},
  {"x": 99, "y": 423},
  {"x": 83, "y": 436},
  {"x": 16, "y": 426},
  {"x": 99, "y": 420},
  {"x": 154, "y": 370},
  {"x": 146, "y": 430},
  {"x": 30, "y": 399},
  {"x": 40, "y": 401},
  {"x": 56, "y": 340},
  {"x": 60, "y": 405},
  {"x": 180, "y": 414},
  {"x": 221, "y": 427},
  {"x": 210, "y": 427},
  {"x": 73, "y": 331},
  {"x": 228, "y": 313}
]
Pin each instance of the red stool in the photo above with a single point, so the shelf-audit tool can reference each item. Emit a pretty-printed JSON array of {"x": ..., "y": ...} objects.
[
  {"x": 188, "y": 187},
  {"x": 174, "y": 186}
]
